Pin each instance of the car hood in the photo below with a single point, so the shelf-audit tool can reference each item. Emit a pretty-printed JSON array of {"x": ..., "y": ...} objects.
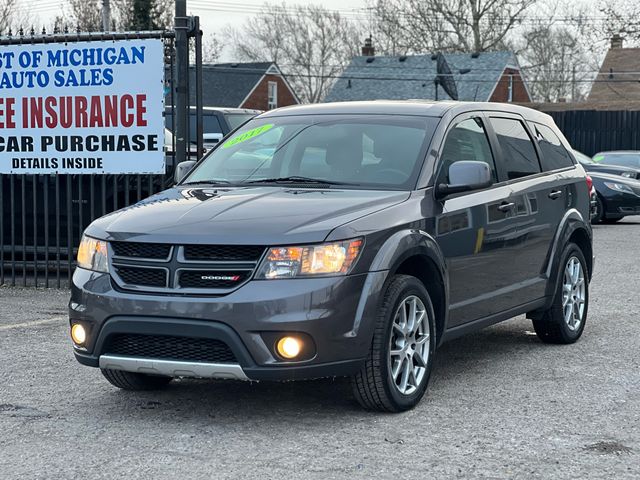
[
  {"x": 612, "y": 177},
  {"x": 616, "y": 169},
  {"x": 252, "y": 215}
]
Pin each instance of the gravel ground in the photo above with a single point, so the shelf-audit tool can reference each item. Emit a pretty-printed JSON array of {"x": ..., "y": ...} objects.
[{"x": 500, "y": 405}]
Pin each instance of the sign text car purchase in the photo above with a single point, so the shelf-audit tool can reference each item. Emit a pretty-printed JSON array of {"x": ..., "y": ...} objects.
[{"x": 87, "y": 107}]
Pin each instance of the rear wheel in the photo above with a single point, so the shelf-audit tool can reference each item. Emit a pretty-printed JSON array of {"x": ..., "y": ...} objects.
[
  {"x": 397, "y": 369},
  {"x": 134, "y": 381},
  {"x": 564, "y": 322}
]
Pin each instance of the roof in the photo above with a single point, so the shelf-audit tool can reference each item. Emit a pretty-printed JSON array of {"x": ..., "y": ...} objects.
[
  {"x": 228, "y": 84},
  {"x": 612, "y": 84},
  {"x": 401, "y": 107},
  {"x": 406, "y": 77}
]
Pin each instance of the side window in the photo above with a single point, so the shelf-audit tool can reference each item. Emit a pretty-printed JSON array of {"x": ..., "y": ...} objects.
[
  {"x": 466, "y": 141},
  {"x": 554, "y": 155},
  {"x": 519, "y": 158}
]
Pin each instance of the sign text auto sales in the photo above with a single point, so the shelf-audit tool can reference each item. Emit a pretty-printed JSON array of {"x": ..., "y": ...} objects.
[{"x": 86, "y": 107}]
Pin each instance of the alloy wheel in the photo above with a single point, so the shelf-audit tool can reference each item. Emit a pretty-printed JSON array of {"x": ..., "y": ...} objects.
[
  {"x": 573, "y": 294},
  {"x": 409, "y": 345}
]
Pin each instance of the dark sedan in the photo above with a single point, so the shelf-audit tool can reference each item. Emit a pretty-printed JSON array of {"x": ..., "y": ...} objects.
[
  {"x": 617, "y": 197},
  {"x": 621, "y": 158},
  {"x": 592, "y": 166}
]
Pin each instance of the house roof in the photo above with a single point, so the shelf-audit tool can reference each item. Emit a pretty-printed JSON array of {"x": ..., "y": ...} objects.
[
  {"x": 391, "y": 77},
  {"x": 228, "y": 84},
  {"x": 612, "y": 84}
]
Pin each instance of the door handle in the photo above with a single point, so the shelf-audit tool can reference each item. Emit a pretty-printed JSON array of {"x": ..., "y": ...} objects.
[
  {"x": 555, "y": 194},
  {"x": 505, "y": 206}
]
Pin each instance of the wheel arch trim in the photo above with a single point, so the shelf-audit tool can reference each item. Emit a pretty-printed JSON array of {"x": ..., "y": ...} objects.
[
  {"x": 399, "y": 247},
  {"x": 571, "y": 222}
]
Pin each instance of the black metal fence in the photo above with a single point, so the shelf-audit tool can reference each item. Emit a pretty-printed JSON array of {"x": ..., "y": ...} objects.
[
  {"x": 43, "y": 216},
  {"x": 593, "y": 131}
]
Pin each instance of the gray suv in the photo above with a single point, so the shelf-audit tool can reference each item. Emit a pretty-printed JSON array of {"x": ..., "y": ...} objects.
[{"x": 347, "y": 239}]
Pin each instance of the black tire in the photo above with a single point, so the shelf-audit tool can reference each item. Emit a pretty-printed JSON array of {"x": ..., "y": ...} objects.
[
  {"x": 598, "y": 215},
  {"x": 611, "y": 220},
  {"x": 134, "y": 381},
  {"x": 551, "y": 326},
  {"x": 373, "y": 386}
]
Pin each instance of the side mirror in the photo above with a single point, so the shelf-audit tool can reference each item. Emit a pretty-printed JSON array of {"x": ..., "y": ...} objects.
[
  {"x": 182, "y": 169},
  {"x": 465, "y": 176}
]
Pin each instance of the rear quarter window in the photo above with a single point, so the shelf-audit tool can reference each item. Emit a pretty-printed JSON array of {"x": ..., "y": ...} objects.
[
  {"x": 554, "y": 155},
  {"x": 519, "y": 157}
]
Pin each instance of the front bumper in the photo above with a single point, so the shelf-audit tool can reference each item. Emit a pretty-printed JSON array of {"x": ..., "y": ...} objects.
[
  {"x": 335, "y": 312},
  {"x": 622, "y": 204}
]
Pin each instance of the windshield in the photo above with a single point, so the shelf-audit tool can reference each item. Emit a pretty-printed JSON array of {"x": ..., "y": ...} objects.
[
  {"x": 236, "y": 119},
  {"x": 383, "y": 151},
  {"x": 623, "y": 159},
  {"x": 582, "y": 158}
]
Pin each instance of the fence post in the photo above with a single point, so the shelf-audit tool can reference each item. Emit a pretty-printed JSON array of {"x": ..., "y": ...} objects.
[
  {"x": 199, "y": 121},
  {"x": 182, "y": 80}
]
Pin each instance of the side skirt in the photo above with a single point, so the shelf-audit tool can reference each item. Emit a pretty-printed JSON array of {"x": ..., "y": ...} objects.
[{"x": 469, "y": 327}]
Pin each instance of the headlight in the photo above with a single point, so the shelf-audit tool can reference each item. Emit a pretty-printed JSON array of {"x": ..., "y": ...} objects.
[
  {"x": 620, "y": 187},
  {"x": 628, "y": 174},
  {"x": 327, "y": 259},
  {"x": 92, "y": 254}
]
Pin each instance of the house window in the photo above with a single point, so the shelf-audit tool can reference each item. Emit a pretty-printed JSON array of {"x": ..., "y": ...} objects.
[{"x": 272, "y": 100}]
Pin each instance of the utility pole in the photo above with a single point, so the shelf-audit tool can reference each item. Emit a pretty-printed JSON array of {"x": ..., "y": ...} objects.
[
  {"x": 182, "y": 80},
  {"x": 106, "y": 15},
  {"x": 573, "y": 84}
]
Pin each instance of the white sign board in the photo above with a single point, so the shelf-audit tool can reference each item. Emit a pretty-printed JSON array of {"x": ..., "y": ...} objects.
[{"x": 83, "y": 107}]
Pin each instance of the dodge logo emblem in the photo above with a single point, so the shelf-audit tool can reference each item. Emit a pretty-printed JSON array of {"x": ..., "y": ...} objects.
[{"x": 226, "y": 278}]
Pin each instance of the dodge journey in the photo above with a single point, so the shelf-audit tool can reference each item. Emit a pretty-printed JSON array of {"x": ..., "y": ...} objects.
[{"x": 346, "y": 239}]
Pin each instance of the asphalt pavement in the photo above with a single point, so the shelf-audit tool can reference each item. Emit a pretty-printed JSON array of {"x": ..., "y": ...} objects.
[{"x": 500, "y": 405}]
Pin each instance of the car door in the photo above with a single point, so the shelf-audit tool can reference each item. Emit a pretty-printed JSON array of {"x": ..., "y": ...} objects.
[
  {"x": 536, "y": 198},
  {"x": 474, "y": 230}
]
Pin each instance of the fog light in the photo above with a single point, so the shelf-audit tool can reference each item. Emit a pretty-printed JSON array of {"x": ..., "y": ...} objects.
[
  {"x": 289, "y": 347},
  {"x": 78, "y": 334}
]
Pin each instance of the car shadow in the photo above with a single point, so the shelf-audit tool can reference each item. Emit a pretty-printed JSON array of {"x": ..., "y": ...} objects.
[{"x": 234, "y": 401}]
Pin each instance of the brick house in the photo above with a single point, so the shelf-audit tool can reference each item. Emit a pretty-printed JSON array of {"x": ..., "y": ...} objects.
[
  {"x": 482, "y": 77},
  {"x": 260, "y": 86},
  {"x": 618, "y": 79}
]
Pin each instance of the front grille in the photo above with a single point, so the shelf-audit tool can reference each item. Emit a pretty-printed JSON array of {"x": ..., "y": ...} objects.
[
  {"x": 148, "y": 277},
  {"x": 164, "y": 347},
  {"x": 211, "y": 279},
  {"x": 193, "y": 269},
  {"x": 223, "y": 253},
  {"x": 156, "y": 251}
]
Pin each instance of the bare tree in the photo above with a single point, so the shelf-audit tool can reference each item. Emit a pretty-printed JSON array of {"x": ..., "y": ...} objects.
[
  {"x": 554, "y": 63},
  {"x": 620, "y": 18},
  {"x": 12, "y": 16},
  {"x": 407, "y": 26},
  {"x": 311, "y": 45},
  {"x": 212, "y": 48},
  {"x": 85, "y": 15}
]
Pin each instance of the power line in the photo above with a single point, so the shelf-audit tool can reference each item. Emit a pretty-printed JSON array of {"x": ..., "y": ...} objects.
[
  {"x": 364, "y": 13},
  {"x": 413, "y": 79}
]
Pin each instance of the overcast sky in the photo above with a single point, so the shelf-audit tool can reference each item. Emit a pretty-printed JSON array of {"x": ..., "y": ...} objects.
[{"x": 214, "y": 14}]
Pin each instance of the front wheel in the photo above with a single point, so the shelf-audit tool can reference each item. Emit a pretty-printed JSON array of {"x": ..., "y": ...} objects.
[
  {"x": 396, "y": 372},
  {"x": 598, "y": 213},
  {"x": 564, "y": 321}
]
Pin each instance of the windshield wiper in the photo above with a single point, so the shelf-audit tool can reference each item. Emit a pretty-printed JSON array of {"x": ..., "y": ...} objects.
[
  {"x": 298, "y": 180},
  {"x": 207, "y": 182}
]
